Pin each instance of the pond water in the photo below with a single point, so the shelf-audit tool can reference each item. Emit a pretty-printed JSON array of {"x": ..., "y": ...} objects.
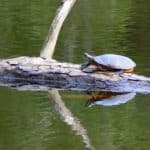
[{"x": 31, "y": 120}]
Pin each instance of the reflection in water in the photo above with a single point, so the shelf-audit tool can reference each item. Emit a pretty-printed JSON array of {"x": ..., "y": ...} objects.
[
  {"x": 110, "y": 98},
  {"x": 68, "y": 117}
]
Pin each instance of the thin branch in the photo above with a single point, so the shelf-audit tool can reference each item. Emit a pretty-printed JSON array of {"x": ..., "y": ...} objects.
[{"x": 61, "y": 14}]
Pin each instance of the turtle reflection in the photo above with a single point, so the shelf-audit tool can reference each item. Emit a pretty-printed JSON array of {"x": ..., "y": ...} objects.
[{"x": 109, "y": 98}]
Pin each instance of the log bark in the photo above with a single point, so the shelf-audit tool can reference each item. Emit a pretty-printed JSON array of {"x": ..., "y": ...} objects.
[{"x": 37, "y": 73}]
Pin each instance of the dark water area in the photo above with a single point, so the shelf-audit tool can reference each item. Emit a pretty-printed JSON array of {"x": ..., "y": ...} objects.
[{"x": 31, "y": 120}]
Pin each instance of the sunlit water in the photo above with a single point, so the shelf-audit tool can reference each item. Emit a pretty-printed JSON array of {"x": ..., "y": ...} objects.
[{"x": 29, "y": 120}]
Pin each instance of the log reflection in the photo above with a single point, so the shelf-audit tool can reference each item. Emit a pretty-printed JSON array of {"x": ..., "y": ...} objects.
[
  {"x": 109, "y": 98},
  {"x": 69, "y": 118}
]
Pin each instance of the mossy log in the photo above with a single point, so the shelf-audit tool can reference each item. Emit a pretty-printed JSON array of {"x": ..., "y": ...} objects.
[{"x": 41, "y": 74}]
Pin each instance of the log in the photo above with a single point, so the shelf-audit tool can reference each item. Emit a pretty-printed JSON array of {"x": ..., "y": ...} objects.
[{"x": 36, "y": 73}]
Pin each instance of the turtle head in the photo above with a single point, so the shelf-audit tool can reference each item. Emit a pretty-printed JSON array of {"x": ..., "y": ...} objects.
[{"x": 90, "y": 57}]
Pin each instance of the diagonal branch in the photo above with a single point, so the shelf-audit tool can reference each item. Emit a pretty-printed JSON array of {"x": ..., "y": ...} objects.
[{"x": 61, "y": 14}]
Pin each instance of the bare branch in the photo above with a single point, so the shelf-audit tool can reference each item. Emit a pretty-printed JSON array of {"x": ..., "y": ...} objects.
[{"x": 61, "y": 14}]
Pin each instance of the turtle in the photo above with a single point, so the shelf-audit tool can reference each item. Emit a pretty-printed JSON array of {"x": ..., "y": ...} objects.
[{"x": 109, "y": 62}]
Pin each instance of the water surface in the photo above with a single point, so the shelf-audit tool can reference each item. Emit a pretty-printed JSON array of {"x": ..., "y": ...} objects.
[{"x": 29, "y": 120}]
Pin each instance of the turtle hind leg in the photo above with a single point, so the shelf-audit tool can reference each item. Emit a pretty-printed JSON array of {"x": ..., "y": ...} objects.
[
  {"x": 129, "y": 70},
  {"x": 85, "y": 65}
]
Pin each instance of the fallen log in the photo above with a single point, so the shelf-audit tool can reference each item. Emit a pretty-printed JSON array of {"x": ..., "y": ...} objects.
[{"x": 41, "y": 74}]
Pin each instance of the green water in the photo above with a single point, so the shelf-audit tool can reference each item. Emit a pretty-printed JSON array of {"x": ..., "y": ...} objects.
[{"x": 29, "y": 120}]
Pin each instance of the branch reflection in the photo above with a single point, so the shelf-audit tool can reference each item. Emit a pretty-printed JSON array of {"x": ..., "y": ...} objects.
[{"x": 69, "y": 118}]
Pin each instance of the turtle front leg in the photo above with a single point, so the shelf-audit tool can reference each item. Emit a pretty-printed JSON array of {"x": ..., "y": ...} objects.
[{"x": 85, "y": 65}]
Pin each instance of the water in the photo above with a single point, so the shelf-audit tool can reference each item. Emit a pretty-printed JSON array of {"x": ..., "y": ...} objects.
[{"x": 29, "y": 120}]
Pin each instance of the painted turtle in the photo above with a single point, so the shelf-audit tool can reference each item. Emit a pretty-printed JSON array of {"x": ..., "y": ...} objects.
[{"x": 109, "y": 62}]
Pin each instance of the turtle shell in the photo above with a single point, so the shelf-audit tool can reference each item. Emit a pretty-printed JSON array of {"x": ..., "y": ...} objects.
[{"x": 114, "y": 61}]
